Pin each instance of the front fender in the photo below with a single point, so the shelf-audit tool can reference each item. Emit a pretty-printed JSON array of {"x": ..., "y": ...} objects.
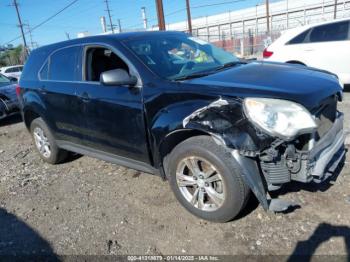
[{"x": 225, "y": 121}]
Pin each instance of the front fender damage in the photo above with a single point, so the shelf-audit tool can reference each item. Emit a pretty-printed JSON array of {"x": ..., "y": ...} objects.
[{"x": 225, "y": 121}]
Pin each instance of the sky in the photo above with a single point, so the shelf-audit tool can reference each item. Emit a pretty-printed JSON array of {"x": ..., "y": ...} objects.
[{"x": 84, "y": 15}]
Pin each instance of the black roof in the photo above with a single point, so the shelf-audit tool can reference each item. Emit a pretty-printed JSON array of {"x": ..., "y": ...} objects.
[{"x": 109, "y": 37}]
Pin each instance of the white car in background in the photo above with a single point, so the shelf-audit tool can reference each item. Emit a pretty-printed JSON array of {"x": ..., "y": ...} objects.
[
  {"x": 12, "y": 71},
  {"x": 325, "y": 45}
]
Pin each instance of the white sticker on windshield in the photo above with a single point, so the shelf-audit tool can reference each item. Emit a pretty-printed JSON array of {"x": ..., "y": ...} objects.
[{"x": 198, "y": 41}]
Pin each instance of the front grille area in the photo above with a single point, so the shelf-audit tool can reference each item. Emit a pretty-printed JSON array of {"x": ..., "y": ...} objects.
[
  {"x": 276, "y": 172},
  {"x": 326, "y": 115}
]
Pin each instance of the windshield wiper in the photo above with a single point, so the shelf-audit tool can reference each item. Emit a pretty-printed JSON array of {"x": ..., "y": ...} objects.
[
  {"x": 229, "y": 64},
  {"x": 191, "y": 76},
  {"x": 197, "y": 75}
]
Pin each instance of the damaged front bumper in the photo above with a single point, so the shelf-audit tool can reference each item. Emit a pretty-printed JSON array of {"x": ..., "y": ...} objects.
[
  {"x": 282, "y": 163},
  {"x": 285, "y": 163},
  {"x": 328, "y": 152}
]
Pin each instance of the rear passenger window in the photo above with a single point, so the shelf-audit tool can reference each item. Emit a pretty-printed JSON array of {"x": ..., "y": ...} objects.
[
  {"x": 299, "y": 39},
  {"x": 331, "y": 32},
  {"x": 64, "y": 64}
]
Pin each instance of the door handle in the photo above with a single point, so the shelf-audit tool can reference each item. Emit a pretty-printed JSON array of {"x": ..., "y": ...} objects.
[{"x": 84, "y": 97}]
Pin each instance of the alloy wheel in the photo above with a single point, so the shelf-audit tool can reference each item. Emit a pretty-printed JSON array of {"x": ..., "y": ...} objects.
[
  {"x": 200, "y": 183},
  {"x": 42, "y": 143}
]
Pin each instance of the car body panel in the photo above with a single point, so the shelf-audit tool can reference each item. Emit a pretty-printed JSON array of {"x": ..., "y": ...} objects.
[
  {"x": 332, "y": 56},
  {"x": 9, "y": 98},
  {"x": 12, "y": 71},
  {"x": 144, "y": 122}
]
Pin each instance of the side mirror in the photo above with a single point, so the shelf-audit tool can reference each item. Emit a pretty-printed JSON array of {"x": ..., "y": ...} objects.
[{"x": 117, "y": 77}]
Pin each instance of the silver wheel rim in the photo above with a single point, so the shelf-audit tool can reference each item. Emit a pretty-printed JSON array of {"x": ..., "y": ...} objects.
[
  {"x": 42, "y": 142},
  {"x": 200, "y": 183}
]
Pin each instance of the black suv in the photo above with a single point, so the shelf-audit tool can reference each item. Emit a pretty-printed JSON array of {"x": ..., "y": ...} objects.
[{"x": 173, "y": 105}]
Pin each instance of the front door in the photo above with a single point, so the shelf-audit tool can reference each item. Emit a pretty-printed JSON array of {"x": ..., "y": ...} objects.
[{"x": 113, "y": 115}]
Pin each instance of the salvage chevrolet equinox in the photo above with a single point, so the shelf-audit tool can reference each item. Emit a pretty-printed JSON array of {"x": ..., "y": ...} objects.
[{"x": 216, "y": 127}]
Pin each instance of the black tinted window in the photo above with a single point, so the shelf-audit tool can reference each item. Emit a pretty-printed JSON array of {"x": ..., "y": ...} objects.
[
  {"x": 99, "y": 60},
  {"x": 10, "y": 70},
  {"x": 299, "y": 39},
  {"x": 64, "y": 64},
  {"x": 331, "y": 32}
]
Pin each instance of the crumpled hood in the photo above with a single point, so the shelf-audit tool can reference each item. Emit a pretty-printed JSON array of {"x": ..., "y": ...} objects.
[
  {"x": 8, "y": 90},
  {"x": 304, "y": 85}
]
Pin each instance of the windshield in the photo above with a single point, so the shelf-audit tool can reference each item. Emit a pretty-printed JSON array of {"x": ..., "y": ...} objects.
[
  {"x": 177, "y": 56},
  {"x": 4, "y": 79}
]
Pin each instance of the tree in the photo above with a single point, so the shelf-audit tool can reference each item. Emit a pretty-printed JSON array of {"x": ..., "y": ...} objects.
[{"x": 13, "y": 56}]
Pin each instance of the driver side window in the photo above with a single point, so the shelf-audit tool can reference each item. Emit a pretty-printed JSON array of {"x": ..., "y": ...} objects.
[{"x": 99, "y": 60}]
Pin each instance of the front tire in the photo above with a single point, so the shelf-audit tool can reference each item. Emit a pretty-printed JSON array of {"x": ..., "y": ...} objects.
[
  {"x": 206, "y": 180},
  {"x": 45, "y": 143}
]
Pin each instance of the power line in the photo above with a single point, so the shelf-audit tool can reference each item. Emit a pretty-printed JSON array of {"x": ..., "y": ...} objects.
[
  {"x": 220, "y": 3},
  {"x": 46, "y": 20}
]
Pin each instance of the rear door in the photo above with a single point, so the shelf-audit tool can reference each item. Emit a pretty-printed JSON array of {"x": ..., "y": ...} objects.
[
  {"x": 59, "y": 77},
  {"x": 113, "y": 115},
  {"x": 328, "y": 48}
]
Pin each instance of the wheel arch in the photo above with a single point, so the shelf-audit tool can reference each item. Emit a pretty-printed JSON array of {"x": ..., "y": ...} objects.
[
  {"x": 29, "y": 115},
  {"x": 3, "y": 97},
  {"x": 176, "y": 137}
]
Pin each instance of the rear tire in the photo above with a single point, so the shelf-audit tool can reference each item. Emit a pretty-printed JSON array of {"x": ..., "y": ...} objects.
[
  {"x": 206, "y": 179},
  {"x": 45, "y": 143}
]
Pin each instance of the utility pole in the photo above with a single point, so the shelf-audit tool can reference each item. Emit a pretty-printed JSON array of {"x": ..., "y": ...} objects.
[
  {"x": 109, "y": 15},
  {"x": 15, "y": 4},
  {"x": 335, "y": 8},
  {"x": 144, "y": 17},
  {"x": 268, "y": 16},
  {"x": 189, "y": 20},
  {"x": 30, "y": 35},
  {"x": 160, "y": 14},
  {"x": 67, "y": 35},
  {"x": 119, "y": 26}
]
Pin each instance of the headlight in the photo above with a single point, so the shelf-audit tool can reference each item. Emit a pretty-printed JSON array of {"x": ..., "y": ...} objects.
[{"x": 281, "y": 118}]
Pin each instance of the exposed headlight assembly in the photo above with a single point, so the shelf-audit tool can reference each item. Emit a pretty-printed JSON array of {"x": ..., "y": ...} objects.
[{"x": 281, "y": 118}]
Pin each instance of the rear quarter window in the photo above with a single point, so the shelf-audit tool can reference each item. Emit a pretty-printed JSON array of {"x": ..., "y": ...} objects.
[
  {"x": 299, "y": 39},
  {"x": 64, "y": 64}
]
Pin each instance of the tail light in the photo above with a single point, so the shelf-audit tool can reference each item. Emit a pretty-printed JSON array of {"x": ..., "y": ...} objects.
[
  {"x": 18, "y": 90},
  {"x": 267, "y": 53}
]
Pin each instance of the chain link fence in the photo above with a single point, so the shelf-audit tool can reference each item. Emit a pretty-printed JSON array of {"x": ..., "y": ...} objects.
[{"x": 248, "y": 37}]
